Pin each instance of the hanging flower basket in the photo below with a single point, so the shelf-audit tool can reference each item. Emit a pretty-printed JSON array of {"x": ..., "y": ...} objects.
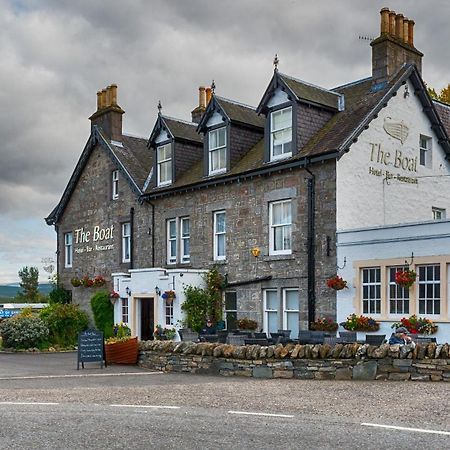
[
  {"x": 337, "y": 283},
  {"x": 168, "y": 295},
  {"x": 405, "y": 278}
]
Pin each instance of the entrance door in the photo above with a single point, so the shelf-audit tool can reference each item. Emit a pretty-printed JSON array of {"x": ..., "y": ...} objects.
[{"x": 147, "y": 318}]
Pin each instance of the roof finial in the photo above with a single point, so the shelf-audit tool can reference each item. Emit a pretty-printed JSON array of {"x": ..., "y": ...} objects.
[
  {"x": 276, "y": 61},
  {"x": 159, "y": 107},
  {"x": 213, "y": 86}
]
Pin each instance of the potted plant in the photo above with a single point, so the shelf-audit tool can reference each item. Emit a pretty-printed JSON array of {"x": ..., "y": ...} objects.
[
  {"x": 324, "y": 324},
  {"x": 337, "y": 283},
  {"x": 121, "y": 348},
  {"x": 168, "y": 295},
  {"x": 405, "y": 278},
  {"x": 417, "y": 325},
  {"x": 360, "y": 323},
  {"x": 247, "y": 324},
  {"x": 164, "y": 334}
]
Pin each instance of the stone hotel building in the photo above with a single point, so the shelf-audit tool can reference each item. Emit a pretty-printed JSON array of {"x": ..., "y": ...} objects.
[{"x": 280, "y": 197}]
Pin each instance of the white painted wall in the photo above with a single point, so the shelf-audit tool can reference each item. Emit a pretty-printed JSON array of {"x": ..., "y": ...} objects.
[
  {"x": 365, "y": 199},
  {"x": 426, "y": 239}
]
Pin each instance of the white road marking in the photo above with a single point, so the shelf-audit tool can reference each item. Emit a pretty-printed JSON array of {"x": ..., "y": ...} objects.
[
  {"x": 28, "y": 403},
  {"x": 417, "y": 430},
  {"x": 46, "y": 377},
  {"x": 146, "y": 406},
  {"x": 248, "y": 413}
]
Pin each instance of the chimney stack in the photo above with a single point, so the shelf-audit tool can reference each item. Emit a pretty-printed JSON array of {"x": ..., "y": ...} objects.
[
  {"x": 394, "y": 47},
  {"x": 108, "y": 116},
  {"x": 197, "y": 113}
]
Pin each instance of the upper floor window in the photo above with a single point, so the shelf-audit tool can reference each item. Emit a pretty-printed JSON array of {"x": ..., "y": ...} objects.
[
  {"x": 438, "y": 213},
  {"x": 281, "y": 134},
  {"x": 425, "y": 151},
  {"x": 164, "y": 169},
  {"x": 219, "y": 235},
  {"x": 126, "y": 242},
  {"x": 217, "y": 146},
  {"x": 280, "y": 223},
  {"x": 68, "y": 247},
  {"x": 115, "y": 184},
  {"x": 178, "y": 240}
]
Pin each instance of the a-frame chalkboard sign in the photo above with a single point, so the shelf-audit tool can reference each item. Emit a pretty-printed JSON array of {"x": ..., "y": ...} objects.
[{"x": 91, "y": 348}]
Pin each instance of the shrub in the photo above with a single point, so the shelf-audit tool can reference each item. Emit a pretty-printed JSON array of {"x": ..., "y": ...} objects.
[
  {"x": 64, "y": 321},
  {"x": 59, "y": 295},
  {"x": 247, "y": 324},
  {"x": 197, "y": 307},
  {"x": 103, "y": 313},
  {"x": 24, "y": 331}
]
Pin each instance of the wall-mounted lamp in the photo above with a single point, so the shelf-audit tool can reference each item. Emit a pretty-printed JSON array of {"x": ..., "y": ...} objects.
[
  {"x": 406, "y": 93},
  {"x": 158, "y": 291},
  {"x": 128, "y": 291}
]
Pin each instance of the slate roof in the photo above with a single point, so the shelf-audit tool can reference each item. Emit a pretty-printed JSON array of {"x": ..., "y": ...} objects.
[
  {"x": 183, "y": 130},
  {"x": 238, "y": 112},
  {"x": 310, "y": 92},
  {"x": 443, "y": 109}
]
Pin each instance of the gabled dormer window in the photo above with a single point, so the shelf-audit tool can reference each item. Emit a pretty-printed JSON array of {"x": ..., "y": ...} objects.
[
  {"x": 217, "y": 147},
  {"x": 281, "y": 134},
  {"x": 164, "y": 168}
]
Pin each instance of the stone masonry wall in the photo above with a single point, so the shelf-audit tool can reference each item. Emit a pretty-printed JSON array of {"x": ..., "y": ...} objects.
[{"x": 429, "y": 362}]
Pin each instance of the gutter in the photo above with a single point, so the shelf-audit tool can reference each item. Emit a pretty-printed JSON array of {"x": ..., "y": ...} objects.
[{"x": 255, "y": 280}]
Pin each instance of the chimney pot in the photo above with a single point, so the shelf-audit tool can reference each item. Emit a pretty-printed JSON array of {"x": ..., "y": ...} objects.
[
  {"x": 99, "y": 100},
  {"x": 399, "y": 26},
  {"x": 108, "y": 96},
  {"x": 104, "y": 101},
  {"x": 405, "y": 30},
  {"x": 384, "y": 21},
  {"x": 208, "y": 95},
  {"x": 411, "y": 33},
  {"x": 201, "y": 97},
  {"x": 392, "y": 23},
  {"x": 114, "y": 94}
]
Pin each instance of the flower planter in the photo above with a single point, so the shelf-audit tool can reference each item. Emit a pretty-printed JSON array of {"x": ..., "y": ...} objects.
[
  {"x": 337, "y": 283},
  {"x": 125, "y": 352}
]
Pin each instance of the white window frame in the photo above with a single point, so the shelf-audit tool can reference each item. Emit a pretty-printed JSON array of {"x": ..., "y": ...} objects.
[
  {"x": 115, "y": 184},
  {"x": 268, "y": 311},
  {"x": 424, "y": 284},
  {"x": 219, "y": 235},
  {"x": 285, "y": 226},
  {"x": 125, "y": 310},
  {"x": 161, "y": 162},
  {"x": 168, "y": 311},
  {"x": 126, "y": 242},
  {"x": 185, "y": 240},
  {"x": 425, "y": 155},
  {"x": 172, "y": 256},
  {"x": 438, "y": 213},
  {"x": 219, "y": 148},
  {"x": 371, "y": 300},
  {"x": 68, "y": 250},
  {"x": 401, "y": 296},
  {"x": 287, "y": 311},
  {"x": 273, "y": 130}
]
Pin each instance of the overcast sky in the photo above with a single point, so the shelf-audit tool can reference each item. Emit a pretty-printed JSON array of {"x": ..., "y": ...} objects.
[{"x": 56, "y": 54}]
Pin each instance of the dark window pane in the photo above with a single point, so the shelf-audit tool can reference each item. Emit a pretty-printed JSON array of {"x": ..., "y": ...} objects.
[
  {"x": 231, "y": 319},
  {"x": 365, "y": 307},
  {"x": 421, "y": 307},
  {"x": 365, "y": 276},
  {"x": 429, "y": 291},
  {"x": 437, "y": 307},
  {"x": 230, "y": 300},
  {"x": 392, "y": 306},
  {"x": 378, "y": 307},
  {"x": 406, "y": 308},
  {"x": 392, "y": 291},
  {"x": 437, "y": 273},
  {"x": 437, "y": 291},
  {"x": 378, "y": 291},
  {"x": 422, "y": 273},
  {"x": 429, "y": 309},
  {"x": 422, "y": 290},
  {"x": 365, "y": 291},
  {"x": 378, "y": 275}
]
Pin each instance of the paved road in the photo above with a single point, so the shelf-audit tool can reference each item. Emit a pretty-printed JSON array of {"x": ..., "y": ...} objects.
[{"x": 46, "y": 403}]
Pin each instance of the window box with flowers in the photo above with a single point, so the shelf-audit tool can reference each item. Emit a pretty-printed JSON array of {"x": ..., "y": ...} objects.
[
  {"x": 417, "y": 325},
  {"x": 360, "y": 323},
  {"x": 337, "y": 283},
  {"x": 324, "y": 324},
  {"x": 405, "y": 278},
  {"x": 87, "y": 282}
]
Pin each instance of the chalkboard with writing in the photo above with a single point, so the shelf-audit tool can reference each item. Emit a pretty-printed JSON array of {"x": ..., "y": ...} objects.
[{"x": 91, "y": 348}]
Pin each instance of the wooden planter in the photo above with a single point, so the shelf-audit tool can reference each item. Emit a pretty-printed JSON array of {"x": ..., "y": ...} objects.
[{"x": 125, "y": 352}]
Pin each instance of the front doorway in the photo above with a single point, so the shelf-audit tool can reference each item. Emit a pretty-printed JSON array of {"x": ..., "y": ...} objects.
[{"x": 147, "y": 318}]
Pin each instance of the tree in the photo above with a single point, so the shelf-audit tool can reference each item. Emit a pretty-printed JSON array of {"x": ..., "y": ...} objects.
[
  {"x": 443, "y": 96},
  {"x": 29, "y": 285}
]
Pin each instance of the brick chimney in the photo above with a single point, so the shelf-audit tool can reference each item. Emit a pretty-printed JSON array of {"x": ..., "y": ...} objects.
[
  {"x": 109, "y": 114},
  {"x": 197, "y": 113},
  {"x": 394, "y": 47}
]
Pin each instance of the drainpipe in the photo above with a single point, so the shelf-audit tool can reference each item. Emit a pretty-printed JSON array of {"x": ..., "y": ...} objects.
[
  {"x": 131, "y": 237},
  {"x": 153, "y": 233},
  {"x": 311, "y": 248}
]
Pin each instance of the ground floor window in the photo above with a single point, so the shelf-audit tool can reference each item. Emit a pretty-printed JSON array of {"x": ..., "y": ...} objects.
[
  {"x": 230, "y": 310},
  {"x": 429, "y": 289},
  {"x": 281, "y": 310},
  {"x": 124, "y": 310},
  {"x": 371, "y": 290},
  {"x": 398, "y": 295},
  {"x": 168, "y": 311}
]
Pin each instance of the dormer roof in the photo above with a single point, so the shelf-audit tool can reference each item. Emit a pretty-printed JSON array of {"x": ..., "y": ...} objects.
[
  {"x": 176, "y": 128},
  {"x": 232, "y": 111},
  {"x": 301, "y": 91}
]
